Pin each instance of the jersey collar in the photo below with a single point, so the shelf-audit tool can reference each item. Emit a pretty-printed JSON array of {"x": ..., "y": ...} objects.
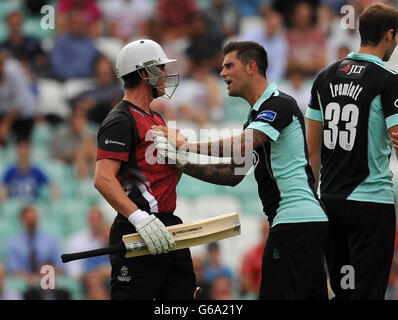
[
  {"x": 266, "y": 95},
  {"x": 365, "y": 57}
]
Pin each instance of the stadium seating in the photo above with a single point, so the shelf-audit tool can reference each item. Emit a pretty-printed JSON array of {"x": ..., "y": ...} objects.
[
  {"x": 235, "y": 109},
  {"x": 192, "y": 188},
  {"x": 73, "y": 212}
]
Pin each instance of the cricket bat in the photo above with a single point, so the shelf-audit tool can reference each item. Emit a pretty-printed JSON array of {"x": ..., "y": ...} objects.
[{"x": 185, "y": 235}]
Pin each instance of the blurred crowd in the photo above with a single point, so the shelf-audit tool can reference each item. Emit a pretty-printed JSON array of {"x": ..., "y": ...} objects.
[{"x": 62, "y": 81}]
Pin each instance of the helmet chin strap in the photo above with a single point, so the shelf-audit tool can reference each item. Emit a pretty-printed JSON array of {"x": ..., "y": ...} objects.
[{"x": 154, "y": 92}]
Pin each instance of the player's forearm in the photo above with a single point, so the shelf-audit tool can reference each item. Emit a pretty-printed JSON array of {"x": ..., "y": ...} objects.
[
  {"x": 112, "y": 191},
  {"x": 227, "y": 147},
  {"x": 221, "y": 174}
]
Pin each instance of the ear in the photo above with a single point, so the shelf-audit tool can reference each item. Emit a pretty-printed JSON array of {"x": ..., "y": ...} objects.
[
  {"x": 144, "y": 73},
  {"x": 251, "y": 67},
  {"x": 389, "y": 35}
]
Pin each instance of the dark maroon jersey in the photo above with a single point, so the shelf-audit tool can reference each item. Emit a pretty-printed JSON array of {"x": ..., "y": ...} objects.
[{"x": 126, "y": 135}]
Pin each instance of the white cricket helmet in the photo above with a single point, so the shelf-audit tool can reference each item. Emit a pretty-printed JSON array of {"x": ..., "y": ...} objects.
[{"x": 146, "y": 54}]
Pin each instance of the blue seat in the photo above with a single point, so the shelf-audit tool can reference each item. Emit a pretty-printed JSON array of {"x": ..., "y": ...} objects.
[
  {"x": 235, "y": 109},
  {"x": 73, "y": 211},
  {"x": 193, "y": 188},
  {"x": 251, "y": 205},
  {"x": 74, "y": 286}
]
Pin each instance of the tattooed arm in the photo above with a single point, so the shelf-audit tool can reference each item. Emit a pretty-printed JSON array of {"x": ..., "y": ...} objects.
[
  {"x": 220, "y": 173},
  {"x": 231, "y": 173},
  {"x": 235, "y": 147}
]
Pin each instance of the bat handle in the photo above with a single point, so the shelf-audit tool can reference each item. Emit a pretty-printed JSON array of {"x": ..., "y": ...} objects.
[{"x": 117, "y": 248}]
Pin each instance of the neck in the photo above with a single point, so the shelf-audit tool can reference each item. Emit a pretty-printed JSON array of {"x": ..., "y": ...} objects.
[
  {"x": 377, "y": 51},
  {"x": 16, "y": 37},
  {"x": 31, "y": 232},
  {"x": 23, "y": 166},
  {"x": 139, "y": 97},
  {"x": 257, "y": 89}
]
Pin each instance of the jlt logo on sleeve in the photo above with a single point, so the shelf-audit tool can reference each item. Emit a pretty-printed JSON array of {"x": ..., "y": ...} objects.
[{"x": 351, "y": 70}]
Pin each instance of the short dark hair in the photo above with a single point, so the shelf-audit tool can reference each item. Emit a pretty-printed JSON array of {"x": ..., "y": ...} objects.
[
  {"x": 375, "y": 21},
  {"x": 131, "y": 80},
  {"x": 247, "y": 51}
]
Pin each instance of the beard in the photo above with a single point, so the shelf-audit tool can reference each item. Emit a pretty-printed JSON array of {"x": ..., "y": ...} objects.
[{"x": 389, "y": 51}]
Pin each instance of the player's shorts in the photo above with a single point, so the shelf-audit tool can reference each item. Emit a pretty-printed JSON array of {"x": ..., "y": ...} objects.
[
  {"x": 361, "y": 236},
  {"x": 293, "y": 262},
  {"x": 164, "y": 276}
]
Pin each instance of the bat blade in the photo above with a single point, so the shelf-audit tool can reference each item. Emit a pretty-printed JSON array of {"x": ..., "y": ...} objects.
[
  {"x": 185, "y": 235},
  {"x": 190, "y": 234}
]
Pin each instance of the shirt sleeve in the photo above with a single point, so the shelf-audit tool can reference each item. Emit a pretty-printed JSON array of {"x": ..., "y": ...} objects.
[
  {"x": 272, "y": 119},
  {"x": 7, "y": 176},
  {"x": 41, "y": 176},
  {"x": 114, "y": 139},
  {"x": 389, "y": 101},
  {"x": 314, "y": 111}
]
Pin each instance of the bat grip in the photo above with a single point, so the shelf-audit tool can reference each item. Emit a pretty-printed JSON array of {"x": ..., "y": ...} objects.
[{"x": 117, "y": 248}]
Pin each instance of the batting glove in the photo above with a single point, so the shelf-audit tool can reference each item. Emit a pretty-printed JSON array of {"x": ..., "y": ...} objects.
[
  {"x": 167, "y": 150},
  {"x": 156, "y": 237}
]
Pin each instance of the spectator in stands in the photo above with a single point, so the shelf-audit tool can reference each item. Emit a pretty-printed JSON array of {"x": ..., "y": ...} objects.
[
  {"x": 94, "y": 286},
  {"x": 90, "y": 10},
  {"x": 127, "y": 19},
  {"x": 272, "y": 37},
  {"x": 250, "y": 270},
  {"x": 74, "y": 53},
  {"x": 298, "y": 86},
  {"x": 24, "y": 47},
  {"x": 175, "y": 16},
  {"x": 93, "y": 237},
  {"x": 342, "y": 52},
  {"x": 343, "y": 37},
  {"x": 24, "y": 181},
  {"x": 107, "y": 92},
  {"x": 175, "y": 47},
  {"x": 198, "y": 269},
  {"x": 29, "y": 250},
  {"x": 33, "y": 7},
  {"x": 252, "y": 7},
  {"x": 5, "y": 293},
  {"x": 285, "y": 8},
  {"x": 199, "y": 97},
  {"x": 17, "y": 102},
  {"x": 204, "y": 44},
  {"x": 213, "y": 266},
  {"x": 222, "y": 289},
  {"x": 223, "y": 18},
  {"x": 307, "y": 44},
  {"x": 75, "y": 144},
  {"x": 325, "y": 16}
]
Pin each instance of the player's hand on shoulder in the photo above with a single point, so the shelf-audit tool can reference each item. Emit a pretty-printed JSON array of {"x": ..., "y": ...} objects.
[
  {"x": 176, "y": 138},
  {"x": 157, "y": 238},
  {"x": 167, "y": 150}
]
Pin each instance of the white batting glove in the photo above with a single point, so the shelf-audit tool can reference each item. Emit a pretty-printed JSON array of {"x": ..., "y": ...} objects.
[
  {"x": 157, "y": 238},
  {"x": 167, "y": 150}
]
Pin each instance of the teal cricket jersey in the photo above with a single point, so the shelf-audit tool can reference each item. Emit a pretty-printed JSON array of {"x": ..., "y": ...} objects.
[
  {"x": 356, "y": 99},
  {"x": 283, "y": 174}
]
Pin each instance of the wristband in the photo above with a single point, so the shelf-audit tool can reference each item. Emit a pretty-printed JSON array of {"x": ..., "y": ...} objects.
[{"x": 137, "y": 216}]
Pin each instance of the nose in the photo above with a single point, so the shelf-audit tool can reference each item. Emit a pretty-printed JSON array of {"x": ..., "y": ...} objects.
[{"x": 222, "y": 73}]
